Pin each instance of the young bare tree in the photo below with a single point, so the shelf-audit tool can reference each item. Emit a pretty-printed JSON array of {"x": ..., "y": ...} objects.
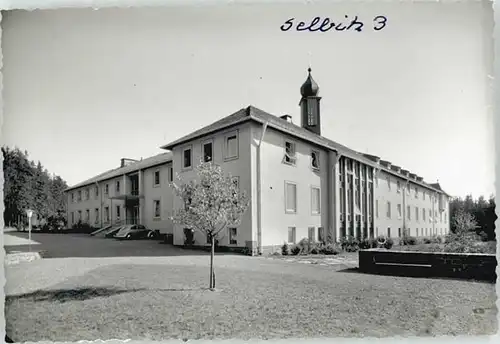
[{"x": 212, "y": 202}]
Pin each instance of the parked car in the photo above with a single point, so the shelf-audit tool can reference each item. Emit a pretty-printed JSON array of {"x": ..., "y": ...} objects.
[
  {"x": 136, "y": 232},
  {"x": 111, "y": 233}
]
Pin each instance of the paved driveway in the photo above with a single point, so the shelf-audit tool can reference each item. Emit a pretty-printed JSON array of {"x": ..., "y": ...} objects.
[{"x": 84, "y": 245}]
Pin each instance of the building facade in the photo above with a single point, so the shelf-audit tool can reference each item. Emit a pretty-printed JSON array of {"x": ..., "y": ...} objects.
[{"x": 300, "y": 184}]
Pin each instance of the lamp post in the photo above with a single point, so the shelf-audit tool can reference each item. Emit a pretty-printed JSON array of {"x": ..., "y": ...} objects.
[{"x": 29, "y": 212}]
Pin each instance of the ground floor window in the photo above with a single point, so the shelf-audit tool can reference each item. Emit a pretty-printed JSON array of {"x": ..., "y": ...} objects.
[
  {"x": 291, "y": 235},
  {"x": 321, "y": 234},
  {"x": 106, "y": 213},
  {"x": 232, "y": 236},
  {"x": 156, "y": 207},
  {"x": 399, "y": 232},
  {"x": 388, "y": 232},
  {"x": 117, "y": 212},
  {"x": 310, "y": 233}
]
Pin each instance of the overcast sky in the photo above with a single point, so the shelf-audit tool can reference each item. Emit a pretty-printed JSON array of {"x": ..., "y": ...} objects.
[{"x": 84, "y": 88}]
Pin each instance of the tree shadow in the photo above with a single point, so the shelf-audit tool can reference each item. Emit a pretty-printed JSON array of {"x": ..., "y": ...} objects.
[
  {"x": 415, "y": 274},
  {"x": 66, "y": 295}
]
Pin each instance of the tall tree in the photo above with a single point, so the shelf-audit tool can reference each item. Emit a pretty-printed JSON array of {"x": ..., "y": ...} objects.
[{"x": 211, "y": 204}]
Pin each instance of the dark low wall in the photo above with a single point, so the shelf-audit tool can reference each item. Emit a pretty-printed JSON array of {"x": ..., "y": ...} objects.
[{"x": 476, "y": 266}]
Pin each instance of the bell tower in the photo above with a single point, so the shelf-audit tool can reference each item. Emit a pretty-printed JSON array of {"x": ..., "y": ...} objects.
[{"x": 309, "y": 105}]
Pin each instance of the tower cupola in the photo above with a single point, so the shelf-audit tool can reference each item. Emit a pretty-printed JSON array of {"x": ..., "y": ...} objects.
[{"x": 309, "y": 105}]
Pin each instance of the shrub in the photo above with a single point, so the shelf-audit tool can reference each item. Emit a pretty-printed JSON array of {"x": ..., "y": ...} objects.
[
  {"x": 427, "y": 241},
  {"x": 349, "y": 244},
  {"x": 285, "y": 249},
  {"x": 330, "y": 249},
  {"x": 388, "y": 243},
  {"x": 295, "y": 250},
  {"x": 409, "y": 240}
]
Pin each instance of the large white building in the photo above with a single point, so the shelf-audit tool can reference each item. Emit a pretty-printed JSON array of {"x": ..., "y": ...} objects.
[{"x": 300, "y": 184}]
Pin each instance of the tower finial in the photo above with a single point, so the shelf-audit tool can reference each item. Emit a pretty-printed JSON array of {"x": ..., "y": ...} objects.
[{"x": 309, "y": 69}]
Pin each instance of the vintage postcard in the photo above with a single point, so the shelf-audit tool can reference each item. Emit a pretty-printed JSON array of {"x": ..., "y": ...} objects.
[{"x": 287, "y": 170}]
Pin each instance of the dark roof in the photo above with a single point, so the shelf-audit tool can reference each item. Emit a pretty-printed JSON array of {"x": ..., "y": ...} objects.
[
  {"x": 254, "y": 114},
  {"x": 309, "y": 88},
  {"x": 133, "y": 167}
]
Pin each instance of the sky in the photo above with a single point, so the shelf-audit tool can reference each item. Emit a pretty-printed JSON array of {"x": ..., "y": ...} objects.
[{"x": 84, "y": 88}]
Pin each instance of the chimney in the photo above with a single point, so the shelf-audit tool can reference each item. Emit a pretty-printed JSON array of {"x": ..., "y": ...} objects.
[
  {"x": 126, "y": 161},
  {"x": 287, "y": 118}
]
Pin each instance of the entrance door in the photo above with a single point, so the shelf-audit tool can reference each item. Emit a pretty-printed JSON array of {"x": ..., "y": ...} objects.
[{"x": 135, "y": 214}]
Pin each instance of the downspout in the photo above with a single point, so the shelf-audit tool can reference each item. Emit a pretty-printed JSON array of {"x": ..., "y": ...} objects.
[
  {"x": 433, "y": 213},
  {"x": 100, "y": 202},
  {"x": 405, "y": 191},
  {"x": 259, "y": 192}
]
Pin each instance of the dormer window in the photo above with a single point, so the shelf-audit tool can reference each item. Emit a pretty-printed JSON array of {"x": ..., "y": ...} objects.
[
  {"x": 315, "y": 160},
  {"x": 290, "y": 155}
]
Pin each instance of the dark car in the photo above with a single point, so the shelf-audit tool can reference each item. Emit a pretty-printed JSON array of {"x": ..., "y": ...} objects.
[{"x": 136, "y": 232}]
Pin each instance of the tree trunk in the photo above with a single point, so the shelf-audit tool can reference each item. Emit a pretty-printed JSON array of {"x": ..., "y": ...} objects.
[{"x": 212, "y": 252}]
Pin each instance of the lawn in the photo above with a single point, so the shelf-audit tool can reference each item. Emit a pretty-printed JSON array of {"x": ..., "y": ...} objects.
[{"x": 256, "y": 298}]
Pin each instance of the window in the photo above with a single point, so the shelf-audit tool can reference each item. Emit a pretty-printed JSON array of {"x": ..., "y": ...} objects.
[
  {"x": 310, "y": 233},
  {"x": 156, "y": 207},
  {"x": 72, "y": 217},
  {"x": 399, "y": 232},
  {"x": 423, "y": 195},
  {"x": 118, "y": 208},
  {"x": 445, "y": 217},
  {"x": 208, "y": 239},
  {"x": 416, "y": 213},
  {"x": 389, "y": 182},
  {"x": 430, "y": 215},
  {"x": 232, "y": 236},
  {"x": 79, "y": 215},
  {"x": 171, "y": 174},
  {"x": 291, "y": 235},
  {"x": 388, "y": 232},
  {"x": 231, "y": 146},
  {"x": 186, "y": 158},
  {"x": 290, "y": 157},
  {"x": 398, "y": 183},
  {"x": 388, "y": 210},
  {"x": 315, "y": 160},
  {"x": 106, "y": 213},
  {"x": 96, "y": 192},
  {"x": 399, "y": 211},
  {"x": 106, "y": 189},
  {"x": 117, "y": 186},
  {"x": 416, "y": 192},
  {"x": 79, "y": 195},
  {"x": 290, "y": 197},
  {"x": 96, "y": 211},
  {"x": 87, "y": 215},
  {"x": 342, "y": 200},
  {"x": 376, "y": 231},
  {"x": 376, "y": 208},
  {"x": 156, "y": 179},
  {"x": 73, "y": 197},
  {"x": 408, "y": 209},
  {"x": 321, "y": 234},
  {"x": 315, "y": 200},
  {"x": 207, "y": 152},
  {"x": 423, "y": 214},
  {"x": 408, "y": 186}
]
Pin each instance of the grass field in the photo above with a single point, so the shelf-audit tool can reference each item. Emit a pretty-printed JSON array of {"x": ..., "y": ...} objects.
[{"x": 256, "y": 298}]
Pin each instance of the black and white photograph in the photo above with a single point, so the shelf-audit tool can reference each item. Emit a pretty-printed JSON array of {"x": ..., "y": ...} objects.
[{"x": 238, "y": 170}]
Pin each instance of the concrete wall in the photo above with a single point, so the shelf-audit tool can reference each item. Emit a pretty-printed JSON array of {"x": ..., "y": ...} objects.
[
  {"x": 162, "y": 192},
  {"x": 453, "y": 265},
  {"x": 93, "y": 202},
  {"x": 274, "y": 173},
  {"x": 384, "y": 194},
  {"x": 239, "y": 167}
]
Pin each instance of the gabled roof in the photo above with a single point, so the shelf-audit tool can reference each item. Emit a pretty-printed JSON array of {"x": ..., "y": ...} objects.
[
  {"x": 254, "y": 114},
  {"x": 133, "y": 167}
]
